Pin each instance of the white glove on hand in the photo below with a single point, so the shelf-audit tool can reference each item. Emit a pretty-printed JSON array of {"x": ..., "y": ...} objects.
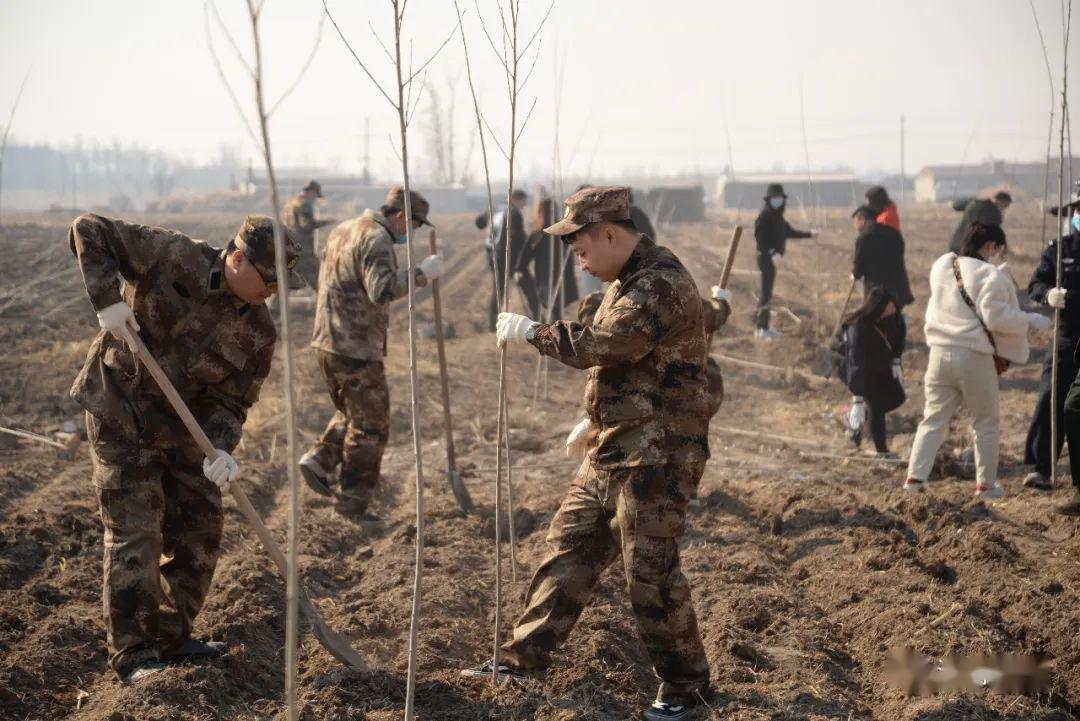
[
  {"x": 119, "y": 320},
  {"x": 221, "y": 470},
  {"x": 723, "y": 294},
  {"x": 777, "y": 259},
  {"x": 857, "y": 415},
  {"x": 432, "y": 266},
  {"x": 511, "y": 328},
  {"x": 1056, "y": 298},
  {"x": 577, "y": 442},
  {"x": 1038, "y": 322},
  {"x": 814, "y": 232},
  {"x": 897, "y": 371}
]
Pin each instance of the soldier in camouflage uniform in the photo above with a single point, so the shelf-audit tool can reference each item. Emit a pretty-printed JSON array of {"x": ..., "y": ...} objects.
[
  {"x": 201, "y": 313},
  {"x": 359, "y": 279},
  {"x": 715, "y": 313},
  {"x": 647, "y": 426},
  {"x": 298, "y": 215}
]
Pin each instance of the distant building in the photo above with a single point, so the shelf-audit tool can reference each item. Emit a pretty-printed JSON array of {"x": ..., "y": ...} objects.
[
  {"x": 353, "y": 194},
  {"x": 831, "y": 190},
  {"x": 673, "y": 204},
  {"x": 944, "y": 183}
]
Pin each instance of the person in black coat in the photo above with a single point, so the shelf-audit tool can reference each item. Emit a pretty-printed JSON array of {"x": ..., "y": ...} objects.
[
  {"x": 520, "y": 254},
  {"x": 1042, "y": 290},
  {"x": 982, "y": 210},
  {"x": 879, "y": 258},
  {"x": 870, "y": 343},
  {"x": 771, "y": 232}
]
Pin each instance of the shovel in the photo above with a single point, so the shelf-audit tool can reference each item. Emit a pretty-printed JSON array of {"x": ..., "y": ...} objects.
[
  {"x": 461, "y": 493},
  {"x": 332, "y": 641},
  {"x": 823, "y": 366}
]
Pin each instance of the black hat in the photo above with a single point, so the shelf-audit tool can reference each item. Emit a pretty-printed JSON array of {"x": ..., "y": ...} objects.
[
  {"x": 775, "y": 190},
  {"x": 313, "y": 185}
]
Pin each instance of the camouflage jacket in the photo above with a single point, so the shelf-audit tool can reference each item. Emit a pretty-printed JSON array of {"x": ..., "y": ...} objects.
[
  {"x": 358, "y": 279},
  {"x": 645, "y": 354},
  {"x": 215, "y": 348},
  {"x": 299, "y": 216}
]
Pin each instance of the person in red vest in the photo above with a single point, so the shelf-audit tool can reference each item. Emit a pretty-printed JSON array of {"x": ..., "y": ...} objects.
[{"x": 884, "y": 209}]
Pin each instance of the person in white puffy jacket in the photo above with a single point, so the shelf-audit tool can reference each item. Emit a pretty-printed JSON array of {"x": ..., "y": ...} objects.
[{"x": 964, "y": 339}]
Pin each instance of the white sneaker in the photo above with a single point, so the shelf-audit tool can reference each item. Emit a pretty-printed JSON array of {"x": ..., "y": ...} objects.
[
  {"x": 914, "y": 485},
  {"x": 989, "y": 492},
  {"x": 314, "y": 475},
  {"x": 766, "y": 334}
]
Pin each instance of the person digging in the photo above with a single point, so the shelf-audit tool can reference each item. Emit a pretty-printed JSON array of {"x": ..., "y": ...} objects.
[
  {"x": 647, "y": 440},
  {"x": 202, "y": 312}
]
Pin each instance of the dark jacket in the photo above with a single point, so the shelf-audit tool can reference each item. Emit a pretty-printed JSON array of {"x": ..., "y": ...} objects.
[
  {"x": 867, "y": 351},
  {"x": 879, "y": 262},
  {"x": 982, "y": 210},
  {"x": 1044, "y": 278},
  {"x": 771, "y": 231},
  {"x": 496, "y": 242}
]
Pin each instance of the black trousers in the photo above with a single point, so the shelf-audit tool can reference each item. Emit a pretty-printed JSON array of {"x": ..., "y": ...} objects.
[
  {"x": 526, "y": 282},
  {"x": 1071, "y": 422},
  {"x": 768, "y": 280},
  {"x": 877, "y": 428},
  {"x": 1037, "y": 444}
]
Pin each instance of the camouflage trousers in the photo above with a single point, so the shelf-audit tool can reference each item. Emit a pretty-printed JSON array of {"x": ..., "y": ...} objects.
[
  {"x": 163, "y": 522},
  {"x": 356, "y": 436},
  {"x": 639, "y": 513}
]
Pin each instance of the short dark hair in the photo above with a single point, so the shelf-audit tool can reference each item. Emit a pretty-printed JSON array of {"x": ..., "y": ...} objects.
[
  {"x": 978, "y": 235},
  {"x": 627, "y": 225},
  {"x": 1003, "y": 197},
  {"x": 866, "y": 212},
  {"x": 389, "y": 211},
  {"x": 518, "y": 194}
]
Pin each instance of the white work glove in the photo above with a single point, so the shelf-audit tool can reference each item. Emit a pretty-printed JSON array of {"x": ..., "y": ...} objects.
[
  {"x": 511, "y": 328},
  {"x": 432, "y": 266},
  {"x": 221, "y": 470},
  {"x": 1038, "y": 322},
  {"x": 777, "y": 259},
  {"x": 897, "y": 371},
  {"x": 578, "y": 440},
  {"x": 119, "y": 320},
  {"x": 858, "y": 414},
  {"x": 723, "y": 294},
  {"x": 814, "y": 232},
  {"x": 1056, "y": 298}
]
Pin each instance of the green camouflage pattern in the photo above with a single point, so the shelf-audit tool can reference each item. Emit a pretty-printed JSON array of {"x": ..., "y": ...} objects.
[
  {"x": 356, "y": 435},
  {"x": 215, "y": 348},
  {"x": 358, "y": 279},
  {"x": 645, "y": 356},
  {"x": 592, "y": 205},
  {"x": 640, "y": 514}
]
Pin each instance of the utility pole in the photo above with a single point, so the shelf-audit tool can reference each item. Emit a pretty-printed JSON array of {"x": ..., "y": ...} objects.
[
  {"x": 366, "y": 175},
  {"x": 903, "y": 177}
]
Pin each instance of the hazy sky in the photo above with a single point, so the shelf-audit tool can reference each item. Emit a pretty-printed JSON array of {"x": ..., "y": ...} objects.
[{"x": 645, "y": 84}]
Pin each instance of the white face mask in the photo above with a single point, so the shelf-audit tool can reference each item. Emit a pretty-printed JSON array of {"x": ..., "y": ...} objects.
[{"x": 776, "y": 202}]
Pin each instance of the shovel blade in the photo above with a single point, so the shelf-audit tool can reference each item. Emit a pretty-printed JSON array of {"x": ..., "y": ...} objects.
[{"x": 330, "y": 639}]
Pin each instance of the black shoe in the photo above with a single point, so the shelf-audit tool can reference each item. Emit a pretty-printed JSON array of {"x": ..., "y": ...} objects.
[
  {"x": 143, "y": 670},
  {"x": 194, "y": 649},
  {"x": 681, "y": 711},
  {"x": 506, "y": 673}
]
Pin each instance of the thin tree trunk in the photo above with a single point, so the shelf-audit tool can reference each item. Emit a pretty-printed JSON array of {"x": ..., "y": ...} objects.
[{"x": 292, "y": 610}]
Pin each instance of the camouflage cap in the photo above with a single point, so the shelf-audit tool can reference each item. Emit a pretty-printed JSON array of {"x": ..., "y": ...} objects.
[
  {"x": 419, "y": 207},
  {"x": 313, "y": 185},
  {"x": 256, "y": 240},
  {"x": 592, "y": 205}
]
